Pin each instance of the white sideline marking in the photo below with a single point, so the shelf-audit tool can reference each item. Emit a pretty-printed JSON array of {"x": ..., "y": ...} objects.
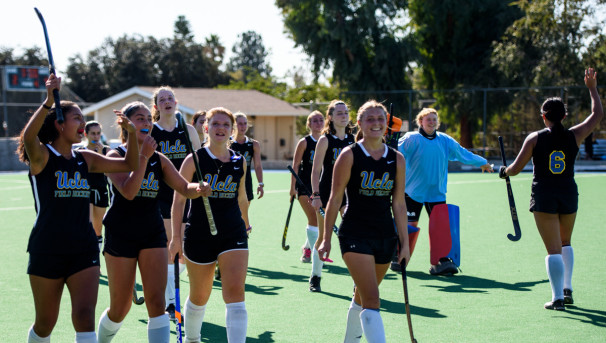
[{"x": 17, "y": 208}]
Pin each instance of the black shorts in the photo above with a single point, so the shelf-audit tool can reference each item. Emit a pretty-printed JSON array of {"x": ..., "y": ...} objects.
[
  {"x": 55, "y": 266},
  {"x": 414, "y": 208},
  {"x": 165, "y": 209},
  {"x": 208, "y": 251},
  {"x": 554, "y": 200},
  {"x": 120, "y": 245},
  {"x": 99, "y": 198},
  {"x": 381, "y": 248}
]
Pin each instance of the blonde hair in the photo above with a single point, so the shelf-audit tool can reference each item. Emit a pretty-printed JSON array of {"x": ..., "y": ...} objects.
[
  {"x": 370, "y": 104},
  {"x": 311, "y": 115},
  {"x": 154, "y": 110},
  {"x": 424, "y": 113}
]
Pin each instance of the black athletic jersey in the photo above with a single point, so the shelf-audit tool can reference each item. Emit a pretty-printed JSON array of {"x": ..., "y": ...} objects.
[
  {"x": 335, "y": 145},
  {"x": 97, "y": 181},
  {"x": 369, "y": 193},
  {"x": 61, "y": 195},
  {"x": 553, "y": 157},
  {"x": 247, "y": 151},
  {"x": 143, "y": 212},
  {"x": 173, "y": 145},
  {"x": 224, "y": 180},
  {"x": 307, "y": 161}
]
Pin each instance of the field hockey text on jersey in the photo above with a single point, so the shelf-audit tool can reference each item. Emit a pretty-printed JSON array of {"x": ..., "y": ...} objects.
[
  {"x": 75, "y": 187},
  {"x": 375, "y": 186},
  {"x": 177, "y": 150}
]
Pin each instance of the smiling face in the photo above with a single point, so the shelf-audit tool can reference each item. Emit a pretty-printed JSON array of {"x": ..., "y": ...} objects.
[
  {"x": 373, "y": 123},
  {"x": 219, "y": 128},
  {"x": 166, "y": 102},
  {"x": 429, "y": 123}
]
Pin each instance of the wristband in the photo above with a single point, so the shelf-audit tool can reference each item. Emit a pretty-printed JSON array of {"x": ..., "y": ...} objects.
[
  {"x": 47, "y": 107},
  {"x": 146, "y": 158},
  {"x": 261, "y": 184}
]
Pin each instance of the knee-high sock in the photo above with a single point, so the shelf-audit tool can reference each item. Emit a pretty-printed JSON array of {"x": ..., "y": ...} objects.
[
  {"x": 555, "y": 271},
  {"x": 158, "y": 329},
  {"x": 86, "y": 337},
  {"x": 193, "y": 324},
  {"x": 32, "y": 337},
  {"x": 307, "y": 244},
  {"x": 181, "y": 268},
  {"x": 353, "y": 331},
  {"x": 372, "y": 325},
  {"x": 107, "y": 328},
  {"x": 236, "y": 321},
  {"x": 169, "y": 294},
  {"x": 568, "y": 258},
  {"x": 316, "y": 263}
]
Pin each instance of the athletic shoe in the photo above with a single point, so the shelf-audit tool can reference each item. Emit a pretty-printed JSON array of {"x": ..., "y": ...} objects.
[
  {"x": 568, "y": 296},
  {"x": 444, "y": 267},
  {"x": 217, "y": 273},
  {"x": 171, "y": 311},
  {"x": 557, "y": 305},
  {"x": 306, "y": 257},
  {"x": 314, "y": 284}
]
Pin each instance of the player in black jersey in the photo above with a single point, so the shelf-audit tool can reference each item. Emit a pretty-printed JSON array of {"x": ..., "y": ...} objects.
[
  {"x": 302, "y": 162},
  {"x": 225, "y": 171},
  {"x": 336, "y": 135},
  {"x": 99, "y": 199},
  {"x": 135, "y": 231},
  {"x": 373, "y": 175},
  {"x": 198, "y": 121},
  {"x": 251, "y": 151},
  {"x": 554, "y": 197},
  {"x": 171, "y": 143},
  {"x": 63, "y": 246}
]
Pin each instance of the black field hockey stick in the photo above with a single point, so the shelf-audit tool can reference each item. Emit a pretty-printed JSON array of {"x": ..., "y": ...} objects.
[
  {"x": 51, "y": 68},
  {"x": 406, "y": 304},
  {"x": 284, "y": 246},
  {"x": 512, "y": 203},
  {"x": 209, "y": 213},
  {"x": 136, "y": 299},
  {"x": 306, "y": 190},
  {"x": 178, "y": 319}
]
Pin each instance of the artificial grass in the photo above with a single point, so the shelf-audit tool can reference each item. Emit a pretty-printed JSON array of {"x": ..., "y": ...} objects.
[{"x": 498, "y": 296}]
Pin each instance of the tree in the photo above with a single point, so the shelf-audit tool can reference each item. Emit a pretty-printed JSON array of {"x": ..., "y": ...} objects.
[
  {"x": 249, "y": 55},
  {"x": 454, "y": 40},
  {"x": 367, "y": 43},
  {"x": 33, "y": 56}
]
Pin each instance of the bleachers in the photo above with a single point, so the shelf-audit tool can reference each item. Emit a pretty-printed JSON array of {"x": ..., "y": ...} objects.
[{"x": 599, "y": 150}]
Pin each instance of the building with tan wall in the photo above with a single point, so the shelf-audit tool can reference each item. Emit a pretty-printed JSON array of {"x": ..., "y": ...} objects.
[{"x": 272, "y": 121}]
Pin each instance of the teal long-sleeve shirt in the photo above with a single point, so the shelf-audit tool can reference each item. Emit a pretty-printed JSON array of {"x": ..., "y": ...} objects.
[{"x": 427, "y": 164}]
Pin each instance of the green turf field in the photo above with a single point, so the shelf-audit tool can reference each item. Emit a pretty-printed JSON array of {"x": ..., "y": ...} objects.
[{"x": 498, "y": 297}]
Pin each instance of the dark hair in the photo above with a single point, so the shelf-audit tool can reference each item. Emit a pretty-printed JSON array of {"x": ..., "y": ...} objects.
[
  {"x": 91, "y": 124},
  {"x": 128, "y": 110},
  {"x": 197, "y": 115},
  {"x": 329, "y": 126},
  {"x": 554, "y": 109},
  {"x": 154, "y": 111},
  {"x": 48, "y": 132}
]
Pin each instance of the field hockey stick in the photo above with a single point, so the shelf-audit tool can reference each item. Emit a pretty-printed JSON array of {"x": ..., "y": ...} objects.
[
  {"x": 512, "y": 203},
  {"x": 209, "y": 213},
  {"x": 136, "y": 299},
  {"x": 284, "y": 246},
  {"x": 406, "y": 304},
  {"x": 178, "y": 319},
  {"x": 51, "y": 68},
  {"x": 306, "y": 190},
  {"x": 389, "y": 125}
]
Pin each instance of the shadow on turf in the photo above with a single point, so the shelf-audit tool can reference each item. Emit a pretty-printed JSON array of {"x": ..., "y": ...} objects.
[
  {"x": 594, "y": 317},
  {"x": 216, "y": 333},
  {"x": 472, "y": 284}
]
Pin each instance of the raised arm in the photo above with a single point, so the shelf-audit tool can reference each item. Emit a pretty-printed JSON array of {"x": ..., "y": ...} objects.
[
  {"x": 258, "y": 168},
  {"x": 582, "y": 130}
]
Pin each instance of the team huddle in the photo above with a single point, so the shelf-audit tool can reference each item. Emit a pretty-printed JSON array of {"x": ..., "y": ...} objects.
[{"x": 179, "y": 198}]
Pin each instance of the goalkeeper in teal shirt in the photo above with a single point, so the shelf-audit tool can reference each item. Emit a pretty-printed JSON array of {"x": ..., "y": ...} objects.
[{"x": 427, "y": 153}]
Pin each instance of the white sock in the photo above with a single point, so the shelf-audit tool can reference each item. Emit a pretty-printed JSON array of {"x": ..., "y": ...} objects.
[
  {"x": 372, "y": 325},
  {"x": 568, "y": 258},
  {"x": 316, "y": 263},
  {"x": 181, "y": 268},
  {"x": 193, "y": 324},
  {"x": 32, "y": 337},
  {"x": 555, "y": 272},
  {"x": 307, "y": 245},
  {"x": 236, "y": 321},
  {"x": 100, "y": 241},
  {"x": 169, "y": 294},
  {"x": 86, "y": 337},
  {"x": 158, "y": 329},
  {"x": 107, "y": 329},
  {"x": 353, "y": 331}
]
